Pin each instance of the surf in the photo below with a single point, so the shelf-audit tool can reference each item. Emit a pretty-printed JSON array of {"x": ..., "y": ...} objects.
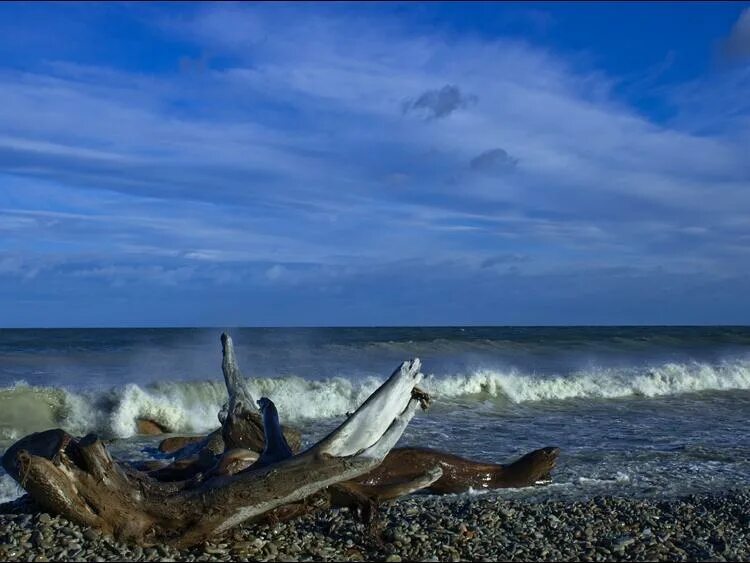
[{"x": 191, "y": 407}]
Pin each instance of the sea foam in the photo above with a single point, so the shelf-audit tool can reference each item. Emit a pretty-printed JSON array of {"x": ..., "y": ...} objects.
[
  {"x": 193, "y": 406},
  {"x": 653, "y": 381},
  {"x": 9, "y": 489}
]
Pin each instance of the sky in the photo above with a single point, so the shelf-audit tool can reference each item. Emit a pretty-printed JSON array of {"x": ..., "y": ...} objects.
[{"x": 344, "y": 164}]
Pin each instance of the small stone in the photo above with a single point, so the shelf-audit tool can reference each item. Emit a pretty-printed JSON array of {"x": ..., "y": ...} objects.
[
  {"x": 243, "y": 545},
  {"x": 45, "y": 518},
  {"x": 9, "y": 550},
  {"x": 622, "y": 542},
  {"x": 37, "y": 539},
  {"x": 393, "y": 558}
]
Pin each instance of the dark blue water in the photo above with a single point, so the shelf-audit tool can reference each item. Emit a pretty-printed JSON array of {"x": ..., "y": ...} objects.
[{"x": 91, "y": 357}]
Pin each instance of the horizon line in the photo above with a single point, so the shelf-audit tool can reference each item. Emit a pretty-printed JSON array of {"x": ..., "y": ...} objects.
[{"x": 231, "y": 327}]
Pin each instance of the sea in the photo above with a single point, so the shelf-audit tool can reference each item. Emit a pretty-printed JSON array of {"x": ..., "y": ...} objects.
[{"x": 636, "y": 411}]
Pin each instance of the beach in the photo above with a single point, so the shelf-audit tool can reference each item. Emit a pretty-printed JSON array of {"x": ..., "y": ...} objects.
[{"x": 705, "y": 527}]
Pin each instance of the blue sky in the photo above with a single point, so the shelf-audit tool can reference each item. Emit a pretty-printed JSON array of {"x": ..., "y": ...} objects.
[{"x": 374, "y": 164}]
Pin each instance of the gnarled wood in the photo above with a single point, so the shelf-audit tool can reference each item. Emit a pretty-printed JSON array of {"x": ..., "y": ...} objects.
[
  {"x": 276, "y": 447},
  {"x": 242, "y": 428},
  {"x": 361, "y": 499},
  {"x": 79, "y": 480},
  {"x": 460, "y": 474},
  {"x": 241, "y": 423}
]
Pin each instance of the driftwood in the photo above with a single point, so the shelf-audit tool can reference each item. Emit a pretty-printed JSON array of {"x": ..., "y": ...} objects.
[
  {"x": 241, "y": 428},
  {"x": 241, "y": 422},
  {"x": 78, "y": 479}
]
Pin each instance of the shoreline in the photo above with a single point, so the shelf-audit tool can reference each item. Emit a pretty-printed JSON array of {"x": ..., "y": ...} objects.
[{"x": 706, "y": 526}]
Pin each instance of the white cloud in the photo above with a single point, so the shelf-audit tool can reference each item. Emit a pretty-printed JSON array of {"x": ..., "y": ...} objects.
[
  {"x": 275, "y": 272},
  {"x": 737, "y": 45},
  {"x": 293, "y": 153}
]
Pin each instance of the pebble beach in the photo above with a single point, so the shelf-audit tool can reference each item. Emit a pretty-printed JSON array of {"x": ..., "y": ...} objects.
[{"x": 706, "y": 527}]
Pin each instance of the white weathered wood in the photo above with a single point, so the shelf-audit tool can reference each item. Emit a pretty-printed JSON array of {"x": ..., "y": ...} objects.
[
  {"x": 381, "y": 448},
  {"x": 370, "y": 422},
  {"x": 237, "y": 387}
]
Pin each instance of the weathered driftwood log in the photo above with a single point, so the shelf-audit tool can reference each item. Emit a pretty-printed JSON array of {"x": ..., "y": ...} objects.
[
  {"x": 79, "y": 480},
  {"x": 407, "y": 469},
  {"x": 175, "y": 444},
  {"x": 459, "y": 474},
  {"x": 361, "y": 499},
  {"x": 242, "y": 428},
  {"x": 241, "y": 423}
]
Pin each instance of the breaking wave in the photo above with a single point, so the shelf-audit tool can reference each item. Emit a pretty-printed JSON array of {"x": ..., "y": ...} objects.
[
  {"x": 193, "y": 406},
  {"x": 9, "y": 489},
  {"x": 665, "y": 379}
]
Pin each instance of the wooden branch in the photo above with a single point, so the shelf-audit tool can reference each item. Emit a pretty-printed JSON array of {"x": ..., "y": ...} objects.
[
  {"x": 276, "y": 448},
  {"x": 239, "y": 393},
  {"x": 242, "y": 424},
  {"x": 242, "y": 428}
]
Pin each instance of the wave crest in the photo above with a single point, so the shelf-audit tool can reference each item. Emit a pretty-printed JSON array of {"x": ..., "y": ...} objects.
[
  {"x": 666, "y": 379},
  {"x": 193, "y": 406}
]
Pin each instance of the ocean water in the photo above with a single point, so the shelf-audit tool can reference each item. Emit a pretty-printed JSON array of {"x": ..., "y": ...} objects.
[{"x": 637, "y": 411}]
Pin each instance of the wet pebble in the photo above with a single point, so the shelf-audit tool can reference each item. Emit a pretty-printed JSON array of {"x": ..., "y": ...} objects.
[{"x": 451, "y": 528}]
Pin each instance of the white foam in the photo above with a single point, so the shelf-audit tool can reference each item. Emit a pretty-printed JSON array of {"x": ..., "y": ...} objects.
[
  {"x": 619, "y": 478},
  {"x": 9, "y": 489},
  {"x": 193, "y": 406},
  {"x": 9, "y": 434},
  {"x": 298, "y": 398},
  {"x": 666, "y": 379},
  {"x": 477, "y": 492}
]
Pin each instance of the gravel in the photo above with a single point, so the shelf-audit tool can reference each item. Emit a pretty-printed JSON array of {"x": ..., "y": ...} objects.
[{"x": 707, "y": 527}]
